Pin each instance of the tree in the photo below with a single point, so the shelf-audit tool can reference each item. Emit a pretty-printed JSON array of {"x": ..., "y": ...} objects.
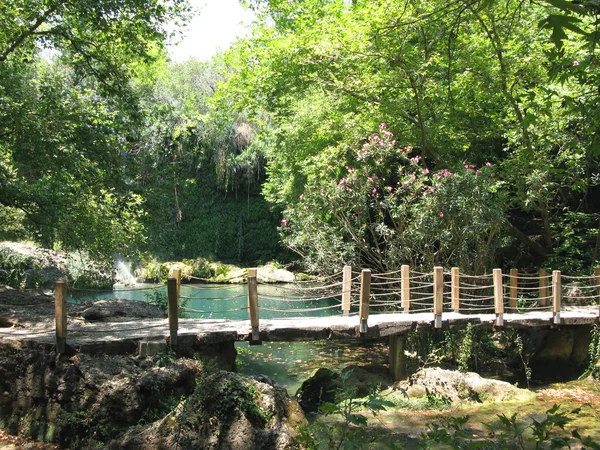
[
  {"x": 460, "y": 82},
  {"x": 68, "y": 114}
]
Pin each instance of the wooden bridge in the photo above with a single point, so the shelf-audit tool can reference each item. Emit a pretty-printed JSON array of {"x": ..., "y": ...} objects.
[{"x": 369, "y": 306}]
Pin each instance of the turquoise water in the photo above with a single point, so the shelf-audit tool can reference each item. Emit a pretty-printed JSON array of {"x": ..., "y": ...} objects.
[
  {"x": 218, "y": 301},
  {"x": 290, "y": 363}
]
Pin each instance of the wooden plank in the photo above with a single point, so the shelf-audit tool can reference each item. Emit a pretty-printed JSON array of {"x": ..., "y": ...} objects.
[
  {"x": 253, "y": 306},
  {"x": 514, "y": 288},
  {"x": 405, "y": 287},
  {"x": 365, "y": 295},
  {"x": 456, "y": 289},
  {"x": 556, "y": 295},
  {"x": 347, "y": 290},
  {"x": 543, "y": 301},
  {"x": 60, "y": 312},
  {"x": 173, "y": 309},
  {"x": 438, "y": 295},
  {"x": 498, "y": 297}
]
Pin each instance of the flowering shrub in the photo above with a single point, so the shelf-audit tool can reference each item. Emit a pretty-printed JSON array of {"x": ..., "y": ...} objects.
[{"x": 386, "y": 207}]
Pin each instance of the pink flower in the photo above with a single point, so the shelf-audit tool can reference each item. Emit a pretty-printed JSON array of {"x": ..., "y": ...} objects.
[
  {"x": 441, "y": 214},
  {"x": 478, "y": 172},
  {"x": 426, "y": 172},
  {"x": 301, "y": 197},
  {"x": 416, "y": 159},
  {"x": 350, "y": 169},
  {"x": 382, "y": 126},
  {"x": 488, "y": 164},
  {"x": 575, "y": 63},
  {"x": 370, "y": 179},
  {"x": 390, "y": 188},
  {"x": 373, "y": 192},
  {"x": 284, "y": 222}
]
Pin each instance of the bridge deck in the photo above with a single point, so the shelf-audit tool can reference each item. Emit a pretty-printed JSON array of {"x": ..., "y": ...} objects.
[{"x": 91, "y": 336}]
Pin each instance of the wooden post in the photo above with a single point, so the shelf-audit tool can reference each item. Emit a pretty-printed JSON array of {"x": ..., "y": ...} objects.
[
  {"x": 438, "y": 295},
  {"x": 543, "y": 288},
  {"x": 398, "y": 369},
  {"x": 177, "y": 276},
  {"x": 60, "y": 312},
  {"x": 498, "y": 297},
  {"x": 405, "y": 287},
  {"x": 253, "y": 307},
  {"x": 514, "y": 288},
  {"x": 556, "y": 296},
  {"x": 173, "y": 310},
  {"x": 365, "y": 295},
  {"x": 346, "y": 290},
  {"x": 456, "y": 289},
  {"x": 597, "y": 283}
]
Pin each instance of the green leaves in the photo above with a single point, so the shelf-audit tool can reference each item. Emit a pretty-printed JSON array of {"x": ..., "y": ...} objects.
[{"x": 558, "y": 23}]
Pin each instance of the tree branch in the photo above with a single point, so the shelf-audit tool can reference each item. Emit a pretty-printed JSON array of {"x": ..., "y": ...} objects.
[{"x": 16, "y": 42}]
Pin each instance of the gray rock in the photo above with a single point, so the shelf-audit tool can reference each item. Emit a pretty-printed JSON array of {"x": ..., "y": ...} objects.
[
  {"x": 321, "y": 387},
  {"x": 227, "y": 411},
  {"x": 458, "y": 386},
  {"x": 112, "y": 310}
]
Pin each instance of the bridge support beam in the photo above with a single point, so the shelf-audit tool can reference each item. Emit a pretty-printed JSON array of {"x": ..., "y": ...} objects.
[{"x": 398, "y": 369}]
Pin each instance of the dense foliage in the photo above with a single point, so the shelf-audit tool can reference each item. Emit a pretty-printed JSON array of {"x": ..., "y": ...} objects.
[
  {"x": 502, "y": 87},
  {"x": 370, "y": 133}
]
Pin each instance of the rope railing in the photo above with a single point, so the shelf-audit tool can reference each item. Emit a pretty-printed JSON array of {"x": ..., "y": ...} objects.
[
  {"x": 231, "y": 297},
  {"x": 149, "y": 288},
  {"x": 296, "y": 289},
  {"x": 198, "y": 311},
  {"x": 295, "y": 299},
  {"x": 410, "y": 292}
]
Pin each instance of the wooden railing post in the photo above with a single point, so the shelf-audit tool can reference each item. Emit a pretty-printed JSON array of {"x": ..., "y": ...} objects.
[
  {"x": 365, "y": 295},
  {"x": 438, "y": 295},
  {"x": 346, "y": 290},
  {"x": 597, "y": 283},
  {"x": 173, "y": 310},
  {"x": 405, "y": 287},
  {"x": 514, "y": 288},
  {"x": 456, "y": 289},
  {"x": 556, "y": 296},
  {"x": 543, "y": 288},
  {"x": 253, "y": 306},
  {"x": 177, "y": 276},
  {"x": 498, "y": 297},
  {"x": 60, "y": 312}
]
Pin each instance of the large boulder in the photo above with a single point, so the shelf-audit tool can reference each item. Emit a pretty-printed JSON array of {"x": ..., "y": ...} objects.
[
  {"x": 458, "y": 386},
  {"x": 365, "y": 378},
  {"x": 83, "y": 400},
  {"x": 321, "y": 387},
  {"x": 227, "y": 411}
]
